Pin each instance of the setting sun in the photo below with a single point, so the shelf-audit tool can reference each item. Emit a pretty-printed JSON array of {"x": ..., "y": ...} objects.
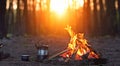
[
  {"x": 60, "y": 6},
  {"x": 79, "y": 3}
]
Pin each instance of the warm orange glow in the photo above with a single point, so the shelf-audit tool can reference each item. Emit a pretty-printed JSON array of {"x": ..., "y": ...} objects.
[
  {"x": 15, "y": 7},
  {"x": 104, "y": 5},
  {"x": 116, "y": 4},
  {"x": 78, "y": 46},
  {"x": 91, "y": 5},
  {"x": 60, "y": 6},
  {"x": 14, "y": 4},
  {"x": 79, "y": 3},
  {"x": 7, "y": 4},
  {"x": 37, "y": 8}
]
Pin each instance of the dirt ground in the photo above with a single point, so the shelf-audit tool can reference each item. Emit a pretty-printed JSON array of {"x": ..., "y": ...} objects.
[{"x": 108, "y": 46}]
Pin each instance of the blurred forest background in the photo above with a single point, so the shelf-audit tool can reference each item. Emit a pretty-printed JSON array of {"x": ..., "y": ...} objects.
[{"x": 33, "y": 17}]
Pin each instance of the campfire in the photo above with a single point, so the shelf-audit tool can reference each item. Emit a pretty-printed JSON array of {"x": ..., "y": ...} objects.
[
  {"x": 78, "y": 47},
  {"x": 78, "y": 50}
]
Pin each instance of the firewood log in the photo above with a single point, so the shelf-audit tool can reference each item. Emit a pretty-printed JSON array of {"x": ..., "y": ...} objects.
[{"x": 57, "y": 54}]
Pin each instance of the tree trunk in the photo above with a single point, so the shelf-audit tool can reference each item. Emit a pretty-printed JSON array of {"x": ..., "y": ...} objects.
[
  {"x": 119, "y": 16},
  {"x": 111, "y": 13},
  {"x": 26, "y": 17},
  {"x": 102, "y": 13},
  {"x": 3, "y": 29},
  {"x": 94, "y": 23},
  {"x": 18, "y": 25}
]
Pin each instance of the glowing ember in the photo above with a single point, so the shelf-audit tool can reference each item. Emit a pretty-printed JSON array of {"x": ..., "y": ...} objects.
[{"x": 78, "y": 47}]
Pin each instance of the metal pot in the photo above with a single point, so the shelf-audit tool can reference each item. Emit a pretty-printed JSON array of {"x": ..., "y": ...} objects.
[
  {"x": 42, "y": 52},
  {"x": 25, "y": 57}
]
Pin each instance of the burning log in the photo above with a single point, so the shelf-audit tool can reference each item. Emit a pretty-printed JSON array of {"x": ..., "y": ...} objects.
[{"x": 91, "y": 49}]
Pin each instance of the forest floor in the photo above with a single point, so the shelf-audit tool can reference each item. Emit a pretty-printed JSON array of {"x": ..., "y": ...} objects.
[{"x": 17, "y": 46}]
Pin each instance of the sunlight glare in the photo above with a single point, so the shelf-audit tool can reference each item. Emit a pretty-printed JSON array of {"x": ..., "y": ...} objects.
[
  {"x": 58, "y": 6},
  {"x": 14, "y": 4},
  {"x": 79, "y": 3}
]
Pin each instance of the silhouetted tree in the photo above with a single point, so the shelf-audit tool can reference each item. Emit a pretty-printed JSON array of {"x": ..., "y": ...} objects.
[
  {"x": 87, "y": 17},
  {"x": 102, "y": 17},
  {"x": 3, "y": 29},
  {"x": 119, "y": 16},
  {"x": 33, "y": 27},
  {"x": 18, "y": 24},
  {"x": 111, "y": 17},
  {"x": 95, "y": 25},
  {"x": 26, "y": 17},
  {"x": 119, "y": 6}
]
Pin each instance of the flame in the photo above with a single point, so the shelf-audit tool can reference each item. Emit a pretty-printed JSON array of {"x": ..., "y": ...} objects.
[{"x": 78, "y": 46}]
